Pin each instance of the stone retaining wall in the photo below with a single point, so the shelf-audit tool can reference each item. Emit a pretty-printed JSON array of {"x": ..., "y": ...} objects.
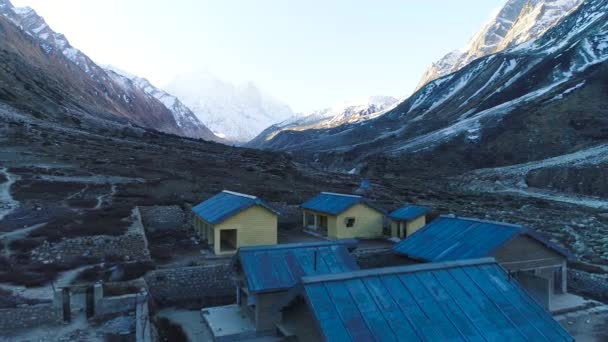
[
  {"x": 27, "y": 317},
  {"x": 114, "y": 305},
  {"x": 594, "y": 285},
  {"x": 198, "y": 286},
  {"x": 132, "y": 246}
]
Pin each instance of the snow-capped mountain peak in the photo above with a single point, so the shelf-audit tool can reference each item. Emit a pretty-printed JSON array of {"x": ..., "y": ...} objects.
[
  {"x": 516, "y": 22},
  {"x": 111, "y": 93},
  {"x": 237, "y": 112},
  {"x": 346, "y": 112}
]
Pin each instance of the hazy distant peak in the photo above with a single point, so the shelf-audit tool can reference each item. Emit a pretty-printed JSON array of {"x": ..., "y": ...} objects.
[{"x": 238, "y": 112}]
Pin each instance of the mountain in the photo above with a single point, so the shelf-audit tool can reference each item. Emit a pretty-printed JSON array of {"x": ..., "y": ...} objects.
[
  {"x": 517, "y": 22},
  {"x": 189, "y": 124},
  {"x": 235, "y": 112},
  {"x": 43, "y": 73},
  {"x": 340, "y": 114},
  {"x": 540, "y": 99}
]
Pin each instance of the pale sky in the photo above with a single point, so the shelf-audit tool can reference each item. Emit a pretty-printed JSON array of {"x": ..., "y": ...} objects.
[{"x": 309, "y": 54}]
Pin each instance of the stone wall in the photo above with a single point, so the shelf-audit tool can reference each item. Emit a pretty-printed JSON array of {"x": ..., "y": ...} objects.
[
  {"x": 132, "y": 246},
  {"x": 114, "y": 305},
  {"x": 198, "y": 286},
  {"x": 591, "y": 284},
  {"x": 27, "y": 317}
]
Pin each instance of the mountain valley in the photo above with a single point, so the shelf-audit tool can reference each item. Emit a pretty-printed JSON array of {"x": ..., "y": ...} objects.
[{"x": 515, "y": 129}]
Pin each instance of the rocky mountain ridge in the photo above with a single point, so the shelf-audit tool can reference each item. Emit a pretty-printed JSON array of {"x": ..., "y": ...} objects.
[
  {"x": 540, "y": 99},
  {"x": 346, "y": 112},
  {"x": 517, "y": 22},
  {"x": 88, "y": 89}
]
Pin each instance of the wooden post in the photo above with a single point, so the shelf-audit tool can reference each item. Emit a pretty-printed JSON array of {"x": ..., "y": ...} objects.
[
  {"x": 66, "y": 305},
  {"x": 316, "y": 221},
  {"x": 564, "y": 277}
]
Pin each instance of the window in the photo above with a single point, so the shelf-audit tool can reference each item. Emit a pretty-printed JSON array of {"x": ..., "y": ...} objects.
[{"x": 350, "y": 222}]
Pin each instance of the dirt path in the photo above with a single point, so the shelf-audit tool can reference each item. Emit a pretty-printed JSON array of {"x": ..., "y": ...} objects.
[
  {"x": 7, "y": 238},
  {"x": 45, "y": 292},
  {"x": 585, "y": 201}
]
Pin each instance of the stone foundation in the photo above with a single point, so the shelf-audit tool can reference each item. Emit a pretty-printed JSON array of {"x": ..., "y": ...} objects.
[{"x": 200, "y": 286}]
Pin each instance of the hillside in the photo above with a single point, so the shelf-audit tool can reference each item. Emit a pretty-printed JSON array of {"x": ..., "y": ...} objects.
[
  {"x": 346, "y": 112},
  {"x": 534, "y": 101},
  {"x": 43, "y": 73},
  {"x": 517, "y": 22}
]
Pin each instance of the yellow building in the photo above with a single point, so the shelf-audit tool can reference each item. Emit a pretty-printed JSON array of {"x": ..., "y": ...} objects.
[
  {"x": 341, "y": 216},
  {"x": 230, "y": 220},
  {"x": 406, "y": 220}
]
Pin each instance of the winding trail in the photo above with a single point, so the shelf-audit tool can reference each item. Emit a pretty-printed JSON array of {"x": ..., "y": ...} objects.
[
  {"x": 7, "y": 238},
  {"x": 7, "y": 203},
  {"x": 45, "y": 292}
]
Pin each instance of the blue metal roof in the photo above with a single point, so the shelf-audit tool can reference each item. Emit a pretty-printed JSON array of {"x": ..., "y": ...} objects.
[
  {"x": 472, "y": 300},
  {"x": 455, "y": 238},
  {"x": 227, "y": 204},
  {"x": 409, "y": 212},
  {"x": 335, "y": 204},
  {"x": 280, "y": 267}
]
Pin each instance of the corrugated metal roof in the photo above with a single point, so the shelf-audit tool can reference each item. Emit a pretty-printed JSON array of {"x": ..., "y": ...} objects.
[
  {"x": 409, "y": 212},
  {"x": 280, "y": 267},
  {"x": 227, "y": 204},
  {"x": 473, "y": 300},
  {"x": 455, "y": 238},
  {"x": 335, "y": 204}
]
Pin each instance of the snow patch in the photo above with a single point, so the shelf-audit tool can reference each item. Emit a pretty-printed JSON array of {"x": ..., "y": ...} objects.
[{"x": 7, "y": 203}]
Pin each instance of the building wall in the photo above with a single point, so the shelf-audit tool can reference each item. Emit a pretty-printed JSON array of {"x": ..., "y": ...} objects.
[
  {"x": 301, "y": 322},
  {"x": 415, "y": 225},
  {"x": 525, "y": 253},
  {"x": 255, "y": 226},
  {"x": 368, "y": 223},
  {"x": 267, "y": 310},
  {"x": 409, "y": 227},
  {"x": 199, "y": 286}
]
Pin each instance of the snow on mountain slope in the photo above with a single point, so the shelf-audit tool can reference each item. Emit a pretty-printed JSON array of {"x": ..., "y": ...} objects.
[
  {"x": 235, "y": 112},
  {"x": 517, "y": 22},
  {"x": 184, "y": 117},
  {"x": 343, "y": 113},
  {"x": 104, "y": 94},
  {"x": 536, "y": 100}
]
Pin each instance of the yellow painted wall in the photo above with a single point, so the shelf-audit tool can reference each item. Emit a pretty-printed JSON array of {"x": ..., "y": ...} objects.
[
  {"x": 410, "y": 227},
  {"x": 368, "y": 223},
  {"x": 414, "y": 226},
  {"x": 255, "y": 226}
]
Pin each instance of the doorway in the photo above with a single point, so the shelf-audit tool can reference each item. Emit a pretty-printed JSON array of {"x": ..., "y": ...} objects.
[{"x": 228, "y": 240}]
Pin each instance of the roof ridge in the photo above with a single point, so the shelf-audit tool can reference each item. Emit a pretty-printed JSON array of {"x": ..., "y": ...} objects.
[
  {"x": 294, "y": 245},
  {"x": 338, "y": 194},
  {"x": 397, "y": 269},
  {"x": 239, "y": 194},
  {"x": 507, "y": 224}
]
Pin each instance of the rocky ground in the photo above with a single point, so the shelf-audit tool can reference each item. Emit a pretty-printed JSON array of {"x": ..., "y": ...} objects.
[{"x": 66, "y": 189}]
